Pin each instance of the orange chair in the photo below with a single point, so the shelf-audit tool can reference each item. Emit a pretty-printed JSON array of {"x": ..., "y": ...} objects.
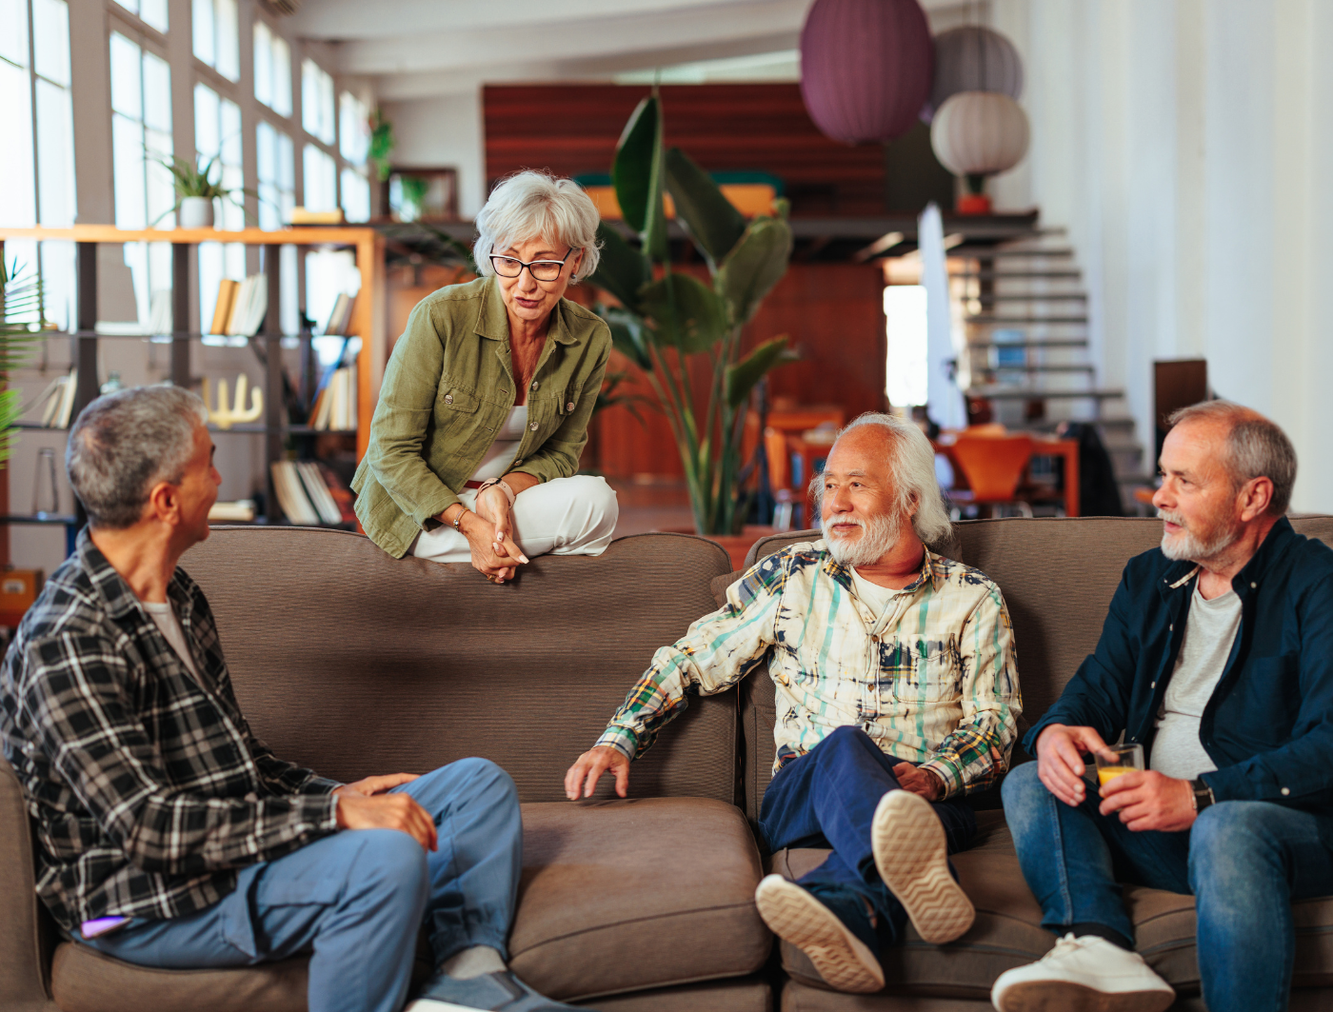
[{"x": 992, "y": 466}]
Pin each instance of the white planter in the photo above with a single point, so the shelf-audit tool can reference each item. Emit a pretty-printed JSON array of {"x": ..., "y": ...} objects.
[{"x": 196, "y": 212}]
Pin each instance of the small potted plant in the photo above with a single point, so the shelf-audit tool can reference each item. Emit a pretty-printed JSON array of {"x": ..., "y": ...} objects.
[{"x": 196, "y": 191}]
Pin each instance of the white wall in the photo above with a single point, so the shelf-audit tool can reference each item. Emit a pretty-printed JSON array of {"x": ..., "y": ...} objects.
[
  {"x": 442, "y": 132},
  {"x": 1187, "y": 147}
]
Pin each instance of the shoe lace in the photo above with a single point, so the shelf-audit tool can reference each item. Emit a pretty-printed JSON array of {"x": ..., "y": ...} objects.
[{"x": 1065, "y": 947}]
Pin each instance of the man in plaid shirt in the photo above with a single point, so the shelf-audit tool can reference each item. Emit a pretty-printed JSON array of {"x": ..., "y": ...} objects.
[
  {"x": 168, "y": 835},
  {"x": 896, "y": 696}
]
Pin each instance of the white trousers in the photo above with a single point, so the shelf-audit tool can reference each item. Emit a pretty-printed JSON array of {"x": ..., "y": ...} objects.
[{"x": 565, "y": 516}]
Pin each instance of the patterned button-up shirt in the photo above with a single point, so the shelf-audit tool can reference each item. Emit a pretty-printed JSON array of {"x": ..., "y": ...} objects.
[
  {"x": 146, "y": 788},
  {"x": 932, "y": 679}
]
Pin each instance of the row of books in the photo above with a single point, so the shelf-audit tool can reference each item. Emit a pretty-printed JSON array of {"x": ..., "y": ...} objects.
[
  {"x": 310, "y": 493},
  {"x": 241, "y": 306},
  {"x": 56, "y": 402},
  {"x": 335, "y": 405}
]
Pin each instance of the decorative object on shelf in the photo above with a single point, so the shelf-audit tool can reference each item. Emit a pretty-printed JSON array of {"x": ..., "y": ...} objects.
[
  {"x": 234, "y": 511},
  {"x": 305, "y": 216},
  {"x": 667, "y": 321},
  {"x": 224, "y": 417},
  {"x": 196, "y": 191},
  {"x": 410, "y": 194},
  {"x": 866, "y": 67},
  {"x": 45, "y": 488},
  {"x": 18, "y": 591},
  {"x": 973, "y": 58},
  {"x": 977, "y": 134},
  {"x": 112, "y": 384},
  {"x": 20, "y": 298}
]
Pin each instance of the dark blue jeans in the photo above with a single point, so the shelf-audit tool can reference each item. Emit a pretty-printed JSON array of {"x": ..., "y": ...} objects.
[
  {"x": 827, "y": 798},
  {"x": 1244, "y": 862}
]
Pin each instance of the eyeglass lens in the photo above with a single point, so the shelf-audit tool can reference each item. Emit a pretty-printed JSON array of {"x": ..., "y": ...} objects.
[{"x": 542, "y": 270}]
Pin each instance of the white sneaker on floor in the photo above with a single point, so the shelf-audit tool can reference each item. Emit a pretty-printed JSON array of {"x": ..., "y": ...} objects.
[
  {"x": 1083, "y": 974},
  {"x": 912, "y": 856},
  {"x": 795, "y": 915}
]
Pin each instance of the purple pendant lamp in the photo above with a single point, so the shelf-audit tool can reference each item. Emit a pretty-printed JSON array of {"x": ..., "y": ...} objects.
[{"x": 866, "y": 67}]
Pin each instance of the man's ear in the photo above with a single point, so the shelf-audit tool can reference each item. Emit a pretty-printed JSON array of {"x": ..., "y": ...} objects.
[
  {"x": 913, "y": 503},
  {"x": 1254, "y": 498},
  {"x": 164, "y": 502}
]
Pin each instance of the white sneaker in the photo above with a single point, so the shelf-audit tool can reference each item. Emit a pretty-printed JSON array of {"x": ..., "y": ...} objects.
[
  {"x": 912, "y": 856},
  {"x": 795, "y": 915},
  {"x": 1084, "y": 974}
]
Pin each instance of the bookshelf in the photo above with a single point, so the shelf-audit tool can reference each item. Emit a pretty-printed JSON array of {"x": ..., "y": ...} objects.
[{"x": 368, "y": 317}]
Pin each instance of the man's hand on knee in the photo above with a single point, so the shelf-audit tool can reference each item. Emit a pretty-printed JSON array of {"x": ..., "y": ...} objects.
[
  {"x": 1148, "y": 800},
  {"x": 377, "y": 785},
  {"x": 588, "y": 769},
  {"x": 387, "y": 811},
  {"x": 1060, "y": 751},
  {"x": 915, "y": 780}
]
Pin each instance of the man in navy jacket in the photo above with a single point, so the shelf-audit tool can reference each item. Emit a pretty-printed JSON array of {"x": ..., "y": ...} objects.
[{"x": 1216, "y": 657}]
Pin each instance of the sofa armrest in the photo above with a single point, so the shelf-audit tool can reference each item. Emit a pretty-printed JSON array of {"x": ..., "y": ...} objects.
[{"x": 24, "y": 926}]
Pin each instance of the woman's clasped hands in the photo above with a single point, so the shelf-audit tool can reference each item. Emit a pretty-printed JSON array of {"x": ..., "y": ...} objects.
[{"x": 490, "y": 535}]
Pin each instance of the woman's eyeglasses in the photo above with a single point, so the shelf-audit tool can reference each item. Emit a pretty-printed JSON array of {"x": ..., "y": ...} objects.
[{"x": 541, "y": 270}]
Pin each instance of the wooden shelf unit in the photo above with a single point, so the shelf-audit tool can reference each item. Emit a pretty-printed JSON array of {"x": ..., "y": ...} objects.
[{"x": 368, "y": 317}]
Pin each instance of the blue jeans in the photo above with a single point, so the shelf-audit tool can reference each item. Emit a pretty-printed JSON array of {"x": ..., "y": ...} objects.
[
  {"x": 827, "y": 798},
  {"x": 1243, "y": 861},
  {"x": 356, "y": 900}
]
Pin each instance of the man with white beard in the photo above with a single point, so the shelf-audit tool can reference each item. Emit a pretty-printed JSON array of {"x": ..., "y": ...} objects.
[
  {"x": 896, "y": 696},
  {"x": 1216, "y": 657}
]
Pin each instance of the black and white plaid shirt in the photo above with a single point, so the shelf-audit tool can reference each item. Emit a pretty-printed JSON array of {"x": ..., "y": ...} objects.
[{"x": 146, "y": 788}]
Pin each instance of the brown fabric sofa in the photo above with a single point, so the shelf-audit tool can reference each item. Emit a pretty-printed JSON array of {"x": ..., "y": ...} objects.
[{"x": 353, "y": 663}]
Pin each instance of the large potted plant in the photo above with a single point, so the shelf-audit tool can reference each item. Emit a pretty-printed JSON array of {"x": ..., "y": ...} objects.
[
  {"x": 20, "y": 301},
  {"x": 667, "y": 320}
]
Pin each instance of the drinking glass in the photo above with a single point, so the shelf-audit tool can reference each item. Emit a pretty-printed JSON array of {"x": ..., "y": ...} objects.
[
  {"x": 1117, "y": 759},
  {"x": 45, "y": 490}
]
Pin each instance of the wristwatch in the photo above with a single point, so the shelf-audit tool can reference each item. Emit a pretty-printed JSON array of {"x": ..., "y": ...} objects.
[
  {"x": 504, "y": 487},
  {"x": 1203, "y": 794}
]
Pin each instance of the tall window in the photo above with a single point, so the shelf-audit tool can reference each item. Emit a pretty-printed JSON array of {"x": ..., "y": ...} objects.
[
  {"x": 273, "y": 70},
  {"x": 217, "y": 40},
  {"x": 317, "y": 102},
  {"x": 321, "y": 179},
  {"x": 141, "y": 141},
  {"x": 217, "y": 139},
  {"x": 37, "y": 171},
  {"x": 354, "y": 145},
  {"x": 151, "y": 12},
  {"x": 276, "y": 163}
]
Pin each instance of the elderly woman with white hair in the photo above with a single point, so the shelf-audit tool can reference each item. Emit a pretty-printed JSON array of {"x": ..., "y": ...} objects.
[{"x": 486, "y": 399}]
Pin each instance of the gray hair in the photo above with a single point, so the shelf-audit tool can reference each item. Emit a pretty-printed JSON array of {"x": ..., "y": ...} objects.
[
  {"x": 1255, "y": 447},
  {"x": 912, "y": 470},
  {"x": 125, "y": 443},
  {"x": 537, "y": 205}
]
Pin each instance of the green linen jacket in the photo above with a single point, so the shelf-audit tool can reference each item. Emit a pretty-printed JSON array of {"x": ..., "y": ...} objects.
[{"x": 447, "y": 389}]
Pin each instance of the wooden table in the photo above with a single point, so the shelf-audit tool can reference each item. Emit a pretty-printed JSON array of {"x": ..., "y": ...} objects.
[{"x": 1042, "y": 446}]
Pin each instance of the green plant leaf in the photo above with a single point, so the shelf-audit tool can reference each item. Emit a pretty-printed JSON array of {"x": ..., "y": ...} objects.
[
  {"x": 627, "y": 335},
  {"x": 636, "y": 174},
  {"x": 622, "y": 269},
  {"x": 714, "y": 224},
  {"x": 686, "y": 314},
  {"x": 742, "y": 377},
  {"x": 752, "y": 269}
]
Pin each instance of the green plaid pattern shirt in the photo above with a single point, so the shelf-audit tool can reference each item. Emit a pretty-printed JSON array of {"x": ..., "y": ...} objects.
[
  {"x": 146, "y": 788},
  {"x": 932, "y": 680}
]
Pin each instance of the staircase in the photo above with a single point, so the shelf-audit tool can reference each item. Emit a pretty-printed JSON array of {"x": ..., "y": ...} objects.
[{"x": 1025, "y": 316}]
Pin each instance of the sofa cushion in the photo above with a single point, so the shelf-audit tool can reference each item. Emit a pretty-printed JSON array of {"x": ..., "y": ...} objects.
[
  {"x": 1008, "y": 931},
  {"x": 616, "y": 896},
  {"x": 626, "y": 895},
  {"x": 352, "y": 662}
]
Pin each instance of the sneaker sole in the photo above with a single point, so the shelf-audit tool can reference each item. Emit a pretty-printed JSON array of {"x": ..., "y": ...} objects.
[
  {"x": 1066, "y": 996},
  {"x": 841, "y": 958},
  {"x": 912, "y": 857}
]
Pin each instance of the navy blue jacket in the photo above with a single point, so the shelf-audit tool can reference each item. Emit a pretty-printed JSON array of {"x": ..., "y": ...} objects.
[{"x": 1269, "y": 723}]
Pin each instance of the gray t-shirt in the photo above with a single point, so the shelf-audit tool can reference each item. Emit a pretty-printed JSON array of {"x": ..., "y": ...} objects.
[{"x": 1209, "y": 632}]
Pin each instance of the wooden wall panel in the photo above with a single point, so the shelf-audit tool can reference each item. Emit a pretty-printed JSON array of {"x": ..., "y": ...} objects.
[{"x": 573, "y": 129}]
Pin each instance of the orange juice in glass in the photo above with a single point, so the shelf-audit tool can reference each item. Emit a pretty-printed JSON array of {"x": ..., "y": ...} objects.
[{"x": 1117, "y": 759}]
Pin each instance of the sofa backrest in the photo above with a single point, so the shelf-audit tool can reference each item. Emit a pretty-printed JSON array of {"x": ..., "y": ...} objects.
[
  {"x": 352, "y": 662},
  {"x": 1057, "y": 576}
]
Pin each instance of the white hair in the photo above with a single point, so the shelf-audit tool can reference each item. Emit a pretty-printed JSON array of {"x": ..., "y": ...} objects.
[
  {"x": 912, "y": 471},
  {"x": 536, "y": 205}
]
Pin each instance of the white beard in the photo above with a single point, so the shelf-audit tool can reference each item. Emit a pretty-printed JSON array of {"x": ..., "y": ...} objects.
[
  {"x": 878, "y": 536},
  {"x": 1187, "y": 545}
]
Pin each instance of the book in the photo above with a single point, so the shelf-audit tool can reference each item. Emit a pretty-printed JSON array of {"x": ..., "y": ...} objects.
[
  {"x": 292, "y": 498},
  {"x": 242, "y": 510},
  {"x": 303, "y": 216},
  {"x": 340, "y": 316},
  {"x": 335, "y": 405},
  {"x": 49, "y": 400},
  {"x": 227, "y": 289},
  {"x": 248, "y": 307},
  {"x": 58, "y": 408},
  {"x": 342, "y": 495},
  {"x": 318, "y": 492}
]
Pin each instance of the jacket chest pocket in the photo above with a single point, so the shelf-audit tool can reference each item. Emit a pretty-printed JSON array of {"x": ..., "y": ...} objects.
[{"x": 920, "y": 670}]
